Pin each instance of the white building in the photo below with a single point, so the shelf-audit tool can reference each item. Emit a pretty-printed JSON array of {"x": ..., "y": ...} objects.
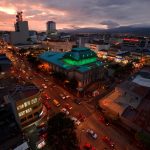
[{"x": 97, "y": 46}]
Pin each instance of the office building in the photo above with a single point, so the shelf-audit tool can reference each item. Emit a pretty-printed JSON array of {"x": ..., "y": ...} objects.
[
  {"x": 26, "y": 104},
  {"x": 24, "y": 100},
  {"x": 21, "y": 34},
  {"x": 11, "y": 134},
  {"x": 51, "y": 27}
]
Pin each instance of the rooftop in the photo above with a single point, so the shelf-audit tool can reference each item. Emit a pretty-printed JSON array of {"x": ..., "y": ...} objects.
[
  {"x": 140, "y": 116},
  {"x": 80, "y": 54},
  {"x": 143, "y": 77},
  {"x": 128, "y": 94},
  {"x": 81, "y": 59},
  {"x": 21, "y": 92},
  {"x": 4, "y": 60}
]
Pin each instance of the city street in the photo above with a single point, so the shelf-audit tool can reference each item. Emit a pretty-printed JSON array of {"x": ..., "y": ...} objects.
[{"x": 122, "y": 141}]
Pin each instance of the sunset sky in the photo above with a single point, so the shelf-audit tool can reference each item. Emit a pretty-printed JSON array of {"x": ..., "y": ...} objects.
[{"x": 75, "y": 13}]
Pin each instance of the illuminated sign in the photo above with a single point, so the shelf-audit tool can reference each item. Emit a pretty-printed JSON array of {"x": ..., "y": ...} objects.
[{"x": 131, "y": 40}]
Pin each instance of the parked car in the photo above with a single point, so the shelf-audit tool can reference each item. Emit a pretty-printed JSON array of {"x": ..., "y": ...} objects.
[
  {"x": 91, "y": 133},
  {"x": 67, "y": 106},
  {"x": 81, "y": 117},
  {"x": 103, "y": 120},
  {"x": 62, "y": 96},
  {"x": 56, "y": 103},
  {"x": 41, "y": 129},
  {"x": 47, "y": 105},
  {"x": 88, "y": 146},
  {"x": 76, "y": 121},
  {"x": 108, "y": 141},
  {"x": 44, "y": 86},
  {"x": 67, "y": 96},
  {"x": 77, "y": 101},
  {"x": 64, "y": 110}
]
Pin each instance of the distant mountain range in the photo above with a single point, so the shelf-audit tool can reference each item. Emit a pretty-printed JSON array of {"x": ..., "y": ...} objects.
[{"x": 123, "y": 29}]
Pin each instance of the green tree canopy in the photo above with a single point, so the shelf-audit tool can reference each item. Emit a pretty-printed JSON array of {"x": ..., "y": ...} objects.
[{"x": 61, "y": 133}]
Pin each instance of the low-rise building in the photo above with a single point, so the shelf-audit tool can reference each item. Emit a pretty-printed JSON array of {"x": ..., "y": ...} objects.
[
  {"x": 129, "y": 103},
  {"x": 81, "y": 64},
  {"x": 96, "y": 46},
  {"x": 58, "y": 45}
]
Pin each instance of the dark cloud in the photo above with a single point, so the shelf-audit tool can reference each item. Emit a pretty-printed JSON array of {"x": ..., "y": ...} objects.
[
  {"x": 81, "y": 13},
  {"x": 109, "y": 23}
]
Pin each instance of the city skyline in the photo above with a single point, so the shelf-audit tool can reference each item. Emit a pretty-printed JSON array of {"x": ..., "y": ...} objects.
[{"x": 75, "y": 14}]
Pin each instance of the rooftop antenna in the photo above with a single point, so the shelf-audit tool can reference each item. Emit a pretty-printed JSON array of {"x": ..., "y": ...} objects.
[{"x": 19, "y": 16}]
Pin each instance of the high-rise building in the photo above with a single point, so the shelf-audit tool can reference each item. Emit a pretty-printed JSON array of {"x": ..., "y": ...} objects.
[
  {"x": 51, "y": 27},
  {"x": 21, "y": 33}
]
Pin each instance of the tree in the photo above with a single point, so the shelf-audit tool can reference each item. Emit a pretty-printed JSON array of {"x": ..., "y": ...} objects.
[{"x": 61, "y": 133}]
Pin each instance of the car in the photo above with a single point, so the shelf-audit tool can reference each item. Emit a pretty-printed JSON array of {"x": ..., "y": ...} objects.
[
  {"x": 64, "y": 110},
  {"x": 67, "y": 96},
  {"x": 44, "y": 136},
  {"x": 91, "y": 133},
  {"x": 44, "y": 86},
  {"x": 77, "y": 101},
  {"x": 76, "y": 121},
  {"x": 47, "y": 105},
  {"x": 41, "y": 90},
  {"x": 101, "y": 119},
  {"x": 108, "y": 141},
  {"x": 67, "y": 106},
  {"x": 62, "y": 96},
  {"x": 88, "y": 146},
  {"x": 56, "y": 103},
  {"x": 45, "y": 96},
  {"x": 104, "y": 120},
  {"x": 41, "y": 129},
  {"x": 81, "y": 117},
  {"x": 46, "y": 80}
]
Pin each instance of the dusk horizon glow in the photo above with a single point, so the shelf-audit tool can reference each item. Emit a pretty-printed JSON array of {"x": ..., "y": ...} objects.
[{"x": 101, "y": 14}]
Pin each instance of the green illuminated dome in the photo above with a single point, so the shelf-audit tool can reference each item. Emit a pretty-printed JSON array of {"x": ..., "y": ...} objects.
[{"x": 80, "y": 56}]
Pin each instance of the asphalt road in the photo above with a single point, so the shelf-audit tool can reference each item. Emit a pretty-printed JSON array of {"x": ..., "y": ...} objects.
[{"x": 121, "y": 140}]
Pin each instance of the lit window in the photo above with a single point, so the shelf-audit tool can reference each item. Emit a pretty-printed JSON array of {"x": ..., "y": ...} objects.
[
  {"x": 22, "y": 113},
  {"x": 28, "y": 110},
  {"x": 26, "y": 103},
  {"x": 33, "y": 101},
  {"x": 20, "y": 107}
]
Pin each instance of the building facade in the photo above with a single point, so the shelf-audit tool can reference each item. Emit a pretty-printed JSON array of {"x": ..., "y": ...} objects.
[
  {"x": 25, "y": 101},
  {"x": 21, "y": 34},
  {"x": 51, "y": 27},
  {"x": 81, "y": 64},
  {"x": 96, "y": 47}
]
